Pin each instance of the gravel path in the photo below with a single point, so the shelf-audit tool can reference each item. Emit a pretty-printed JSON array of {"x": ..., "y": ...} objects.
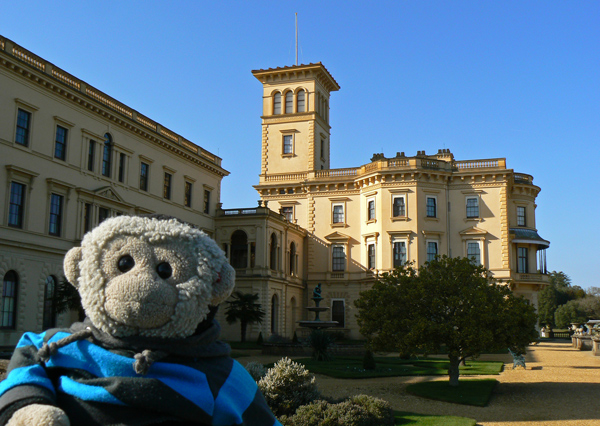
[{"x": 560, "y": 387}]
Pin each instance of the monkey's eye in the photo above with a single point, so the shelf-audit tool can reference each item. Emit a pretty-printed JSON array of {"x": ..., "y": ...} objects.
[
  {"x": 126, "y": 263},
  {"x": 164, "y": 270}
]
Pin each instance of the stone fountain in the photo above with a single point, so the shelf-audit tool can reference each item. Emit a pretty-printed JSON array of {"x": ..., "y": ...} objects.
[{"x": 317, "y": 323}]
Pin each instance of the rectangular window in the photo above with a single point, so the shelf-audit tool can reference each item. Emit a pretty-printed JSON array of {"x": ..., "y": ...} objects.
[
  {"x": 338, "y": 213},
  {"x": 87, "y": 217},
  {"x": 472, "y": 207},
  {"x": 338, "y": 259},
  {"x": 206, "y": 201},
  {"x": 474, "y": 252},
  {"x": 60, "y": 145},
  {"x": 521, "y": 216},
  {"x": 522, "y": 260},
  {"x": 167, "y": 186},
  {"x": 23, "y": 127},
  {"x": 338, "y": 312},
  {"x": 103, "y": 214},
  {"x": 56, "y": 212},
  {"x": 371, "y": 256},
  {"x": 9, "y": 298},
  {"x": 288, "y": 212},
  {"x": 371, "y": 210},
  {"x": 277, "y": 103},
  {"x": 91, "y": 155},
  {"x": 300, "y": 102},
  {"x": 187, "y": 195},
  {"x": 121, "y": 167},
  {"x": 399, "y": 253},
  {"x": 106, "y": 159},
  {"x": 432, "y": 250},
  {"x": 144, "y": 170},
  {"x": 431, "y": 207},
  {"x": 288, "y": 144},
  {"x": 17, "y": 205},
  {"x": 289, "y": 103},
  {"x": 322, "y": 149},
  {"x": 399, "y": 207}
]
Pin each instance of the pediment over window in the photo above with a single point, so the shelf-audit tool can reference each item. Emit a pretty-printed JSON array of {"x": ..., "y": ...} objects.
[
  {"x": 473, "y": 232},
  {"x": 338, "y": 237},
  {"x": 110, "y": 193}
]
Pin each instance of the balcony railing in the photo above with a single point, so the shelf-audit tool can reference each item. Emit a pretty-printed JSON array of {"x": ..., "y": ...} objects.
[
  {"x": 392, "y": 164},
  {"x": 523, "y": 178},
  {"x": 544, "y": 278}
]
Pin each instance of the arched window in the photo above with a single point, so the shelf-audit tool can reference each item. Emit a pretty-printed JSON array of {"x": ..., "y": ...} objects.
[
  {"x": 301, "y": 101},
  {"x": 289, "y": 102},
  {"x": 277, "y": 103},
  {"x": 8, "y": 313},
  {"x": 49, "y": 320},
  {"x": 107, "y": 155},
  {"x": 239, "y": 249},
  {"x": 292, "y": 259},
  {"x": 274, "y": 314},
  {"x": 273, "y": 253}
]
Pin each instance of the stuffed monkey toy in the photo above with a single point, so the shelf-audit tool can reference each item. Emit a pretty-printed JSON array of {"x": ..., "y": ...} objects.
[{"x": 148, "y": 352}]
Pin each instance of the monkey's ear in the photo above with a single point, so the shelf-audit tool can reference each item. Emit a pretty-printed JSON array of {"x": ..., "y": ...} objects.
[
  {"x": 223, "y": 285},
  {"x": 71, "y": 265}
]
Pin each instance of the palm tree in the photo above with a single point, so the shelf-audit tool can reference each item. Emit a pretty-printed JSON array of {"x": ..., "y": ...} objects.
[
  {"x": 67, "y": 298},
  {"x": 245, "y": 309}
]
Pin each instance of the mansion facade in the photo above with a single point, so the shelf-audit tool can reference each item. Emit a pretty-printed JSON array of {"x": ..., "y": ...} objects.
[
  {"x": 362, "y": 221},
  {"x": 71, "y": 156}
]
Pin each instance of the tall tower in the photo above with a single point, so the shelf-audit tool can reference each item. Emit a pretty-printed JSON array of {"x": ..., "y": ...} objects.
[{"x": 295, "y": 119}]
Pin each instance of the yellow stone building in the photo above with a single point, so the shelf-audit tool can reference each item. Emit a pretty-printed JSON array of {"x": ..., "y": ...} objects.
[
  {"x": 71, "y": 156},
  {"x": 362, "y": 221}
]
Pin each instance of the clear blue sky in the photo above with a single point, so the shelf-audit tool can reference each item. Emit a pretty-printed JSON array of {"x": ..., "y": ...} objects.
[{"x": 514, "y": 79}]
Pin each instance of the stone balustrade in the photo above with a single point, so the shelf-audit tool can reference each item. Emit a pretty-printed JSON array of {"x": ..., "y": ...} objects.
[{"x": 64, "y": 77}]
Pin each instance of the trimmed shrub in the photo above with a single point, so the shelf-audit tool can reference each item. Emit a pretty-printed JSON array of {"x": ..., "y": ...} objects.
[
  {"x": 287, "y": 386},
  {"x": 259, "y": 340},
  {"x": 369, "y": 361},
  {"x": 295, "y": 338},
  {"x": 320, "y": 341},
  {"x": 379, "y": 409},
  {"x": 256, "y": 370},
  {"x": 359, "y": 410}
]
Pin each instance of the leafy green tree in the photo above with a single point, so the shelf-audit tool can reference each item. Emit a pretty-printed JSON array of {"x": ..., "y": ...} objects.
[
  {"x": 448, "y": 302},
  {"x": 547, "y": 304},
  {"x": 568, "y": 313},
  {"x": 559, "y": 292},
  {"x": 244, "y": 308},
  {"x": 577, "y": 310}
]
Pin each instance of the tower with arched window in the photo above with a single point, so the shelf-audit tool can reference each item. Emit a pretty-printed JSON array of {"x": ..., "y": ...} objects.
[{"x": 295, "y": 119}]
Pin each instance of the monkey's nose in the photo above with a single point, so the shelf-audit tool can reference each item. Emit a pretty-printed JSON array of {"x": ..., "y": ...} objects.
[{"x": 141, "y": 303}]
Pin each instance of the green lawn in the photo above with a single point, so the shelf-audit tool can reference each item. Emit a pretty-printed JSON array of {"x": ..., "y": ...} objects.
[
  {"x": 413, "y": 419},
  {"x": 469, "y": 392},
  {"x": 351, "y": 367}
]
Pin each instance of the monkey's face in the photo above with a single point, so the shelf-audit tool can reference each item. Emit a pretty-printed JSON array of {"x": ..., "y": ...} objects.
[
  {"x": 143, "y": 282},
  {"x": 153, "y": 284}
]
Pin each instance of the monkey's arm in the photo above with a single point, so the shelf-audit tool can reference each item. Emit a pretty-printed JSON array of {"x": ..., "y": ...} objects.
[{"x": 27, "y": 382}]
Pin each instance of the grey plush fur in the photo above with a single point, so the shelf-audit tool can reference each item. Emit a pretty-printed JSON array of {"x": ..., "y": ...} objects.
[{"x": 139, "y": 302}]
